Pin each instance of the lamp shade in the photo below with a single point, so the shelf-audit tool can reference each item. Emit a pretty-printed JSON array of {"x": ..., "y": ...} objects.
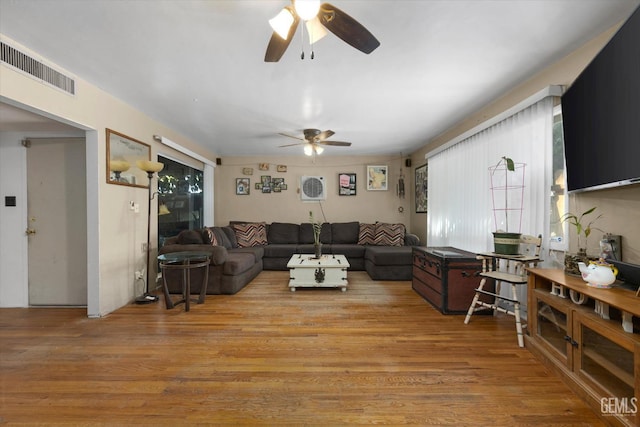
[
  {"x": 282, "y": 22},
  {"x": 150, "y": 167},
  {"x": 318, "y": 149},
  {"x": 315, "y": 29},
  {"x": 119, "y": 165},
  {"x": 308, "y": 149},
  {"x": 163, "y": 209}
]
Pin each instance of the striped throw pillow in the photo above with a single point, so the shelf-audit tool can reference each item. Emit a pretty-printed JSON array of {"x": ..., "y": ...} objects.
[
  {"x": 209, "y": 237},
  {"x": 366, "y": 236},
  {"x": 389, "y": 234},
  {"x": 250, "y": 234}
]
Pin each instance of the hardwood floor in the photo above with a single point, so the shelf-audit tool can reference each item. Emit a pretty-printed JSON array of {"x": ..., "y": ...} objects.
[{"x": 376, "y": 354}]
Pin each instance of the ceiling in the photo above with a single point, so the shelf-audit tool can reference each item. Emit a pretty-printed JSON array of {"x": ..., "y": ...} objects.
[{"x": 197, "y": 66}]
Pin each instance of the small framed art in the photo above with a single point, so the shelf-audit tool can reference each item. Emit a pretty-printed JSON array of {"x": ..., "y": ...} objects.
[
  {"x": 421, "y": 189},
  {"x": 347, "y": 184},
  {"x": 377, "y": 178},
  {"x": 243, "y": 186}
]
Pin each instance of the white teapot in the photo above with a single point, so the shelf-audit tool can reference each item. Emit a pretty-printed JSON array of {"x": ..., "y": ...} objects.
[{"x": 598, "y": 274}]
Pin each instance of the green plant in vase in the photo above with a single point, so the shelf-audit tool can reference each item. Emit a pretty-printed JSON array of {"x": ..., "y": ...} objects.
[
  {"x": 583, "y": 228},
  {"x": 317, "y": 228}
]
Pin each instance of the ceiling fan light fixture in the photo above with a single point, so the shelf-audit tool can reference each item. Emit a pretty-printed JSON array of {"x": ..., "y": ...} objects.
[
  {"x": 315, "y": 29},
  {"x": 307, "y": 9},
  {"x": 308, "y": 149},
  {"x": 282, "y": 22},
  {"x": 318, "y": 149}
]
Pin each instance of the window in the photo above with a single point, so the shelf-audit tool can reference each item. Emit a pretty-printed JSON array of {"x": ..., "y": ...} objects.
[{"x": 558, "y": 193}]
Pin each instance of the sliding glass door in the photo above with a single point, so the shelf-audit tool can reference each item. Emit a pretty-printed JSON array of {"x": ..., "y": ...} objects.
[{"x": 179, "y": 199}]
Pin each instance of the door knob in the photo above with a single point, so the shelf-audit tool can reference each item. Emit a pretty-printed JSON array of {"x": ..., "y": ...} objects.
[{"x": 30, "y": 231}]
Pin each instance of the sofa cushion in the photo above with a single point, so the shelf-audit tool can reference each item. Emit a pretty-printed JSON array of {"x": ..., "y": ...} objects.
[
  {"x": 345, "y": 232},
  {"x": 389, "y": 234},
  {"x": 389, "y": 255},
  {"x": 238, "y": 262},
  {"x": 366, "y": 234},
  {"x": 306, "y": 233},
  {"x": 190, "y": 237},
  {"x": 350, "y": 250},
  {"x": 279, "y": 250},
  {"x": 250, "y": 234},
  {"x": 281, "y": 232},
  {"x": 222, "y": 238},
  {"x": 231, "y": 236},
  {"x": 256, "y": 251},
  {"x": 411, "y": 239}
]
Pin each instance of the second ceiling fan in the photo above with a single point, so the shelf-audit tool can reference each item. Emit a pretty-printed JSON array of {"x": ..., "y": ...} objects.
[
  {"x": 317, "y": 17},
  {"x": 313, "y": 141}
]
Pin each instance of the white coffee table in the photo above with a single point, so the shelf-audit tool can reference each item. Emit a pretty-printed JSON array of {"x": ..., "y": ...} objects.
[{"x": 306, "y": 271}]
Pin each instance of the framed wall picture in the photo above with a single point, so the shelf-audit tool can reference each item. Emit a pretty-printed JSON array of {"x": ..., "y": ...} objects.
[
  {"x": 421, "y": 188},
  {"x": 347, "y": 184},
  {"x": 277, "y": 184},
  {"x": 377, "y": 178},
  {"x": 243, "y": 186},
  {"x": 123, "y": 152}
]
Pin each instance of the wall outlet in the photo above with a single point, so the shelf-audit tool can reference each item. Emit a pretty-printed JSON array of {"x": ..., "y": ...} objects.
[
  {"x": 144, "y": 247},
  {"x": 132, "y": 205},
  {"x": 138, "y": 275}
]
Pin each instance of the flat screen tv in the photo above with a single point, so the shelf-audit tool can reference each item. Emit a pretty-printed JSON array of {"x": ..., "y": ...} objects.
[{"x": 601, "y": 115}]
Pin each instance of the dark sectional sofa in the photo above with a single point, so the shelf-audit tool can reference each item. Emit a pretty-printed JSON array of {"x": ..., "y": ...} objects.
[{"x": 240, "y": 251}]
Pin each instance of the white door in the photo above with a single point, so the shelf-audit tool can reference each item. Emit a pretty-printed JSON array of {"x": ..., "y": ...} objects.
[{"x": 57, "y": 221}]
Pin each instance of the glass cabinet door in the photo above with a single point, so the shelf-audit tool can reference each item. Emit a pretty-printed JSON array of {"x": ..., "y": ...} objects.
[
  {"x": 553, "y": 326},
  {"x": 605, "y": 359}
]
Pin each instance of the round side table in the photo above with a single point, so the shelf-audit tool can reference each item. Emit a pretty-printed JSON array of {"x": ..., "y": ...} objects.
[{"x": 185, "y": 262}]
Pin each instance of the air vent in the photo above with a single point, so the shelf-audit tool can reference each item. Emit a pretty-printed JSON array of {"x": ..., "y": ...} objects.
[
  {"x": 313, "y": 188},
  {"x": 23, "y": 62}
]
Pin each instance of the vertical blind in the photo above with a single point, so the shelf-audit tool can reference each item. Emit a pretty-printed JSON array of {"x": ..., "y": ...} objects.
[{"x": 460, "y": 200}]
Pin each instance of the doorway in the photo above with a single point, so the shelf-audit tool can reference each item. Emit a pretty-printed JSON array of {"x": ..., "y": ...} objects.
[{"x": 57, "y": 221}]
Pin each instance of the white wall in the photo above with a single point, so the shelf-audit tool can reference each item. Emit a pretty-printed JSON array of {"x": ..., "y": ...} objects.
[
  {"x": 286, "y": 206},
  {"x": 13, "y": 222},
  {"x": 115, "y": 234}
]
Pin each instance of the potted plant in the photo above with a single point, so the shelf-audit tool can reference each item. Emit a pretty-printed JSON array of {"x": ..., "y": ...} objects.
[
  {"x": 583, "y": 230},
  {"x": 507, "y": 192},
  {"x": 317, "y": 228}
]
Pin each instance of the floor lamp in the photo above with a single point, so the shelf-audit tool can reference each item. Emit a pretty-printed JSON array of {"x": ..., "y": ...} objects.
[{"x": 150, "y": 168}]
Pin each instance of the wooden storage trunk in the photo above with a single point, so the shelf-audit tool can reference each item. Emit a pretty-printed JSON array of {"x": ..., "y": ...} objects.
[{"x": 447, "y": 277}]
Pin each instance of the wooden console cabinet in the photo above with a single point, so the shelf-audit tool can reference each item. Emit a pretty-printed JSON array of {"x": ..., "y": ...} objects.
[
  {"x": 446, "y": 277},
  {"x": 592, "y": 343}
]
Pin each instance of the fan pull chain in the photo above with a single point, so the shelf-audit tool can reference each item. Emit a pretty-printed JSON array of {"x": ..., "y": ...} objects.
[
  {"x": 311, "y": 44},
  {"x": 302, "y": 42}
]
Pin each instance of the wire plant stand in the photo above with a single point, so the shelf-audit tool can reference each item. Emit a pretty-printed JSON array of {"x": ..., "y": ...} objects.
[{"x": 507, "y": 198}]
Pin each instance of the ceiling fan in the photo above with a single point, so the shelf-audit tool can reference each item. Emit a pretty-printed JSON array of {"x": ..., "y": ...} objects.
[
  {"x": 313, "y": 141},
  {"x": 317, "y": 17}
]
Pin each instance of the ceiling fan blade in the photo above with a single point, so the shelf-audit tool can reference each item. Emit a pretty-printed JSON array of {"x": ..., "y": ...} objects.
[
  {"x": 291, "y": 145},
  {"x": 347, "y": 28},
  {"x": 291, "y": 136},
  {"x": 336, "y": 143},
  {"x": 277, "y": 45},
  {"x": 325, "y": 134}
]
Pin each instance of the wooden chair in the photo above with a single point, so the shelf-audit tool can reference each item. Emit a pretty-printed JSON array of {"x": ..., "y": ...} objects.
[{"x": 510, "y": 269}]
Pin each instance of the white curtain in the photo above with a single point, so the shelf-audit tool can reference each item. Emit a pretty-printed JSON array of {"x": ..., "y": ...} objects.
[{"x": 460, "y": 202}]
